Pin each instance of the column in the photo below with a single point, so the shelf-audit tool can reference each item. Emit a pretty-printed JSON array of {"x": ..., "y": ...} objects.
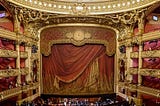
[
  {"x": 28, "y": 63},
  {"x": 18, "y": 64}
]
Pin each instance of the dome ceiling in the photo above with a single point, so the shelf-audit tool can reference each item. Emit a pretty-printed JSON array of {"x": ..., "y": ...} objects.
[{"x": 83, "y": 7}]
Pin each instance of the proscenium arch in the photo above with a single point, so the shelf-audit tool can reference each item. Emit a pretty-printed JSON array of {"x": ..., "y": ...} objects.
[
  {"x": 89, "y": 25},
  {"x": 78, "y": 40}
]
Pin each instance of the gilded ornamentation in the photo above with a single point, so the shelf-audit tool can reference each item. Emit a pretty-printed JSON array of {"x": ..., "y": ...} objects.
[
  {"x": 136, "y": 40},
  {"x": 15, "y": 91},
  {"x": 24, "y": 54},
  {"x": 34, "y": 56},
  {"x": 7, "y": 34},
  {"x": 79, "y": 9},
  {"x": 154, "y": 53},
  {"x": 133, "y": 70},
  {"x": 24, "y": 71},
  {"x": 101, "y": 7},
  {"x": 134, "y": 54},
  {"x": 27, "y": 40},
  {"x": 80, "y": 36},
  {"x": 8, "y": 53},
  {"x": 122, "y": 56},
  {"x": 148, "y": 90},
  {"x": 124, "y": 22},
  {"x": 150, "y": 72},
  {"x": 9, "y": 72}
]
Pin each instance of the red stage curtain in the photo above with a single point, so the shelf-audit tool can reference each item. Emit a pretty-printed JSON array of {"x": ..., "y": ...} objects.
[{"x": 77, "y": 69}]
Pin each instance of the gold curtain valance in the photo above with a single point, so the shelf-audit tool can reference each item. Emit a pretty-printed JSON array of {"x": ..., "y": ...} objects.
[{"x": 78, "y": 35}]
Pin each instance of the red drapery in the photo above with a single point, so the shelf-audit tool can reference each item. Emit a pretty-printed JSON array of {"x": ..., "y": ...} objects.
[{"x": 71, "y": 69}]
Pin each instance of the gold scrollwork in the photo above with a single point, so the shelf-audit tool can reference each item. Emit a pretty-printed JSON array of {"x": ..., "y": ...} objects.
[
  {"x": 8, "y": 53},
  {"x": 150, "y": 72},
  {"x": 9, "y": 72},
  {"x": 24, "y": 71}
]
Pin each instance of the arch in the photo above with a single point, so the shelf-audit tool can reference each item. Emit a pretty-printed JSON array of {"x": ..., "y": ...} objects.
[{"x": 78, "y": 34}]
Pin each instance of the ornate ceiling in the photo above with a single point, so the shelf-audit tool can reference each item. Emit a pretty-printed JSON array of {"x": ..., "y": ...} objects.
[
  {"x": 84, "y": 7},
  {"x": 120, "y": 15}
]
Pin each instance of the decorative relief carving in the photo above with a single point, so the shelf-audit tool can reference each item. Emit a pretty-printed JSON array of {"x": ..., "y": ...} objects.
[
  {"x": 150, "y": 72},
  {"x": 79, "y": 9},
  {"x": 33, "y": 20},
  {"x": 136, "y": 40},
  {"x": 100, "y": 7},
  {"x": 15, "y": 91},
  {"x": 34, "y": 56},
  {"x": 24, "y": 39},
  {"x": 148, "y": 90},
  {"x": 24, "y": 54},
  {"x": 9, "y": 72},
  {"x": 134, "y": 54},
  {"x": 8, "y": 53},
  {"x": 154, "y": 53},
  {"x": 7, "y": 34},
  {"x": 122, "y": 56},
  {"x": 9, "y": 93},
  {"x": 30, "y": 87},
  {"x": 78, "y": 35},
  {"x": 24, "y": 71},
  {"x": 133, "y": 71}
]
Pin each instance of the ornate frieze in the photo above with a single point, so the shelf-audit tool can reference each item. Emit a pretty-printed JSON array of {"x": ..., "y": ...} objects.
[
  {"x": 150, "y": 72},
  {"x": 78, "y": 35},
  {"x": 154, "y": 53},
  {"x": 148, "y": 90},
  {"x": 27, "y": 40},
  {"x": 8, "y": 53},
  {"x": 33, "y": 19},
  {"x": 9, "y": 93},
  {"x": 15, "y": 91},
  {"x": 9, "y": 72},
  {"x": 87, "y": 8}
]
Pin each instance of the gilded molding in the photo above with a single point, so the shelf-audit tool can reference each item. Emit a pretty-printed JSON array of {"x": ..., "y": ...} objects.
[
  {"x": 7, "y": 34},
  {"x": 147, "y": 90},
  {"x": 131, "y": 87},
  {"x": 24, "y": 71},
  {"x": 150, "y": 72},
  {"x": 133, "y": 71},
  {"x": 33, "y": 20},
  {"x": 154, "y": 53},
  {"x": 24, "y": 54},
  {"x": 15, "y": 91},
  {"x": 9, "y": 93},
  {"x": 134, "y": 54},
  {"x": 8, "y": 53},
  {"x": 122, "y": 56},
  {"x": 151, "y": 35},
  {"x": 27, "y": 40},
  {"x": 34, "y": 56},
  {"x": 78, "y": 35},
  {"x": 89, "y": 8},
  {"x": 9, "y": 72},
  {"x": 30, "y": 98},
  {"x": 30, "y": 87}
]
